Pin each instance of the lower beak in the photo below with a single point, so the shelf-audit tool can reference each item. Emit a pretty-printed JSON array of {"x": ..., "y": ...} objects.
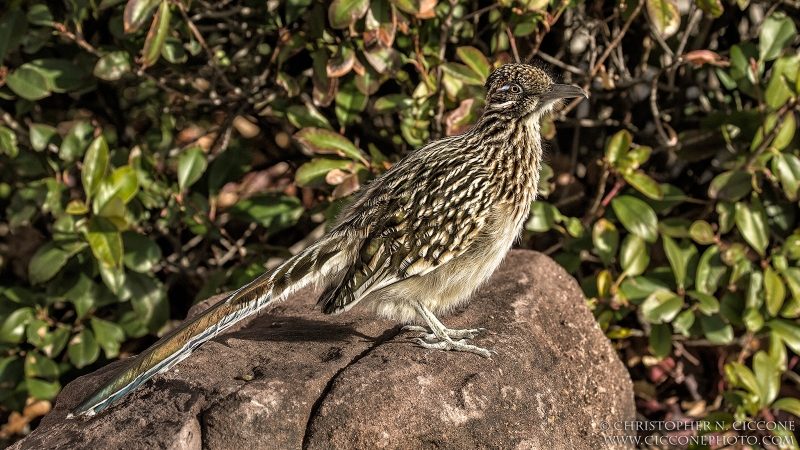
[{"x": 559, "y": 91}]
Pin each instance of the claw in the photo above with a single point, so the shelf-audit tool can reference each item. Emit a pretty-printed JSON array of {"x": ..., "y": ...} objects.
[
  {"x": 460, "y": 346},
  {"x": 452, "y": 334}
]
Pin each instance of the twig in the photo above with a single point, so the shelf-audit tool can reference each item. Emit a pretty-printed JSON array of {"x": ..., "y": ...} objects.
[
  {"x": 757, "y": 87},
  {"x": 786, "y": 109},
  {"x": 513, "y": 44},
  {"x": 617, "y": 39},
  {"x": 477, "y": 12},
  {"x": 211, "y": 57},
  {"x": 613, "y": 192},
  {"x": 444, "y": 32},
  {"x": 604, "y": 56},
  {"x": 13, "y": 124},
  {"x": 62, "y": 30},
  {"x": 590, "y": 215},
  {"x": 560, "y": 64}
]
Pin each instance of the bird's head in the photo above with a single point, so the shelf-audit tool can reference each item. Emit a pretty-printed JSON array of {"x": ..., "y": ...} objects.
[{"x": 524, "y": 91}]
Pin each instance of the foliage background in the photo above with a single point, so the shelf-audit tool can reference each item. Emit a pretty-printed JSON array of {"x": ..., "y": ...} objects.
[{"x": 155, "y": 152}]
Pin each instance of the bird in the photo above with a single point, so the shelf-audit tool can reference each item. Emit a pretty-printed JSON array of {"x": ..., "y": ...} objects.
[{"x": 413, "y": 244}]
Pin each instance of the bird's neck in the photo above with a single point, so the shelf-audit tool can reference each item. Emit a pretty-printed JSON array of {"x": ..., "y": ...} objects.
[{"x": 512, "y": 149}]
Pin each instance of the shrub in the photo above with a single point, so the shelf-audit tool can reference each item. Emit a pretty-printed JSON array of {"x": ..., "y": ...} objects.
[{"x": 159, "y": 151}]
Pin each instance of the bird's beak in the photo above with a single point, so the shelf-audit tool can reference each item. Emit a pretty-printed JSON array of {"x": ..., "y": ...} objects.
[{"x": 559, "y": 91}]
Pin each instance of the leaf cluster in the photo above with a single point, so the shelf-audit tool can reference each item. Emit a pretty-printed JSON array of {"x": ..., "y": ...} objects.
[{"x": 155, "y": 152}]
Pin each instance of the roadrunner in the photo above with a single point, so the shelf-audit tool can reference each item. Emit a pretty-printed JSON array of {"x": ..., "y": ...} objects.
[{"x": 413, "y": 244}]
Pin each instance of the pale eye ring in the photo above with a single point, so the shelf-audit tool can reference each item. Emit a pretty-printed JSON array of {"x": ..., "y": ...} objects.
[{"x": 515, "y": 89}]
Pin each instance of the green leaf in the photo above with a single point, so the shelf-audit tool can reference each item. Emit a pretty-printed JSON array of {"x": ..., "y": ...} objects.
[
  {"x": 136, "y": 14},
  {"x": 13, "y": 328},
  {"x": 83, "y": 349},
  {"x": 660, "y": 340},
  {"x": 752, "y": 223},
  {"x": 618, "y": 146},
  {"x": 788, "y": 331},
  {"x": 605, "y": 238},
  {"x": 306, "y": 116},
  {"x": 755, "y": 289},
  {"x": 46, "y": 263},
  {"x": 28, "y": 83},
  {"x": 775, "y": 291},
  {"x": 679, "y": 257},
  {"x": 392, "y": 103},
  {"x": 543, "y": 217},
  {"x": 36, "y": 332},
  {"x": 121, "y": 183},
  {"x": 777, "y": 32},
  {"x": 635, "y": 157},
  {"x": 731, "y": 186},
  {"x": 295, "y": 8},
  {"x": 636, "y": 216},
  {"x": 39, "y": 15},
  {"x": 702, "y": 233},
  {"x": 409, "y": 6},
  {"x": 634, "y": 256},
  {"x": 173, "y": 50},
  {"x": 54, "y": 342},
  {"x": 787, "y": 167},
  {"x": 343, "y": 13},
  {"x": 706, "y": 304},
  {"x": 42, "y": 135},
  {"x": 157, "y": 35},
  {"x": 661, "y": 306},
  {"x": 463, "y": 74},
  {"x": 475, "y": 60},
  {"x": 38, "y": 365},
  {"x": 711, "y": 7},
  {"x": 105, "y": 241},
  {"x": 44, "y": 390},
  {"x": 113, "y": 277},
  {"x": 109, "y": 335},
  {"x": 639, "y": 288},
  {"x": 349, "y": 103},
  {"x": 76, "y": 141},
  {"x": 60, "y": 75},
  {"x": 322, "y": 142},
  {"x": 191, "y": 166},
  {"x": 744, "y": 377},
  {"x": 782, "y": 84},
  {"x": 753, "y": 320},
  {"x": 95, "y": 163},
  {"x": 12, "y": 28},
  {"x": 664, "y": 16},
  {"x": 8, "y": 142},
  {"x": 113, "y": 66},
  {"x": 141, "y": 252},
  {"x": 785, "y": 133},
  {"x": 683, "y": 322},
  {"x": 788, "y": 404},
  {"x": 644, "y": 184},
  {"x": 767, "y": 376},
  {"x": 312, "y": 173},
  {"x": 273, "y": 212},
  {"x": 716, "y": 330}
]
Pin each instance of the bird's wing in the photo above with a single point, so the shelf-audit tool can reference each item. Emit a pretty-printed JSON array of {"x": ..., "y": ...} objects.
[{"x": 415, "y": 220}]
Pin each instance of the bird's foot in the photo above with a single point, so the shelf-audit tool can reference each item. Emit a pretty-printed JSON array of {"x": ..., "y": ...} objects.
[
  {"x": 459, "y": 346},
  {"x": 452, "y": 334}
]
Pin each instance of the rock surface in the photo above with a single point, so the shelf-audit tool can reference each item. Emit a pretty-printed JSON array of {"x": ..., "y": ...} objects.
[{"x": 295, "y": 378}]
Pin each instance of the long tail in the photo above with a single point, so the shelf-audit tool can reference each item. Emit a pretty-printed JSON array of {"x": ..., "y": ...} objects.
[{"x": 310, "y": 266}]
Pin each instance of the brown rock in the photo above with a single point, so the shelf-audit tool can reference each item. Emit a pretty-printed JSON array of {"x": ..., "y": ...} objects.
[{"x": 294, "y": 378}]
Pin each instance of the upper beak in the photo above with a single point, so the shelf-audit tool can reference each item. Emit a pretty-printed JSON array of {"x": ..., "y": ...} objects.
[{"x": 559, "y": 91}]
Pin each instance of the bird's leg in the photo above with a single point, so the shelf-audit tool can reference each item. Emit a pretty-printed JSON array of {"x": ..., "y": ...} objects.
[{"x": 444, "y": 336}]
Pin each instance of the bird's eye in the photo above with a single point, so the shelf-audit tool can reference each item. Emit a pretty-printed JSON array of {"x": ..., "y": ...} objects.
[{"x": 515, "y": 89}]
